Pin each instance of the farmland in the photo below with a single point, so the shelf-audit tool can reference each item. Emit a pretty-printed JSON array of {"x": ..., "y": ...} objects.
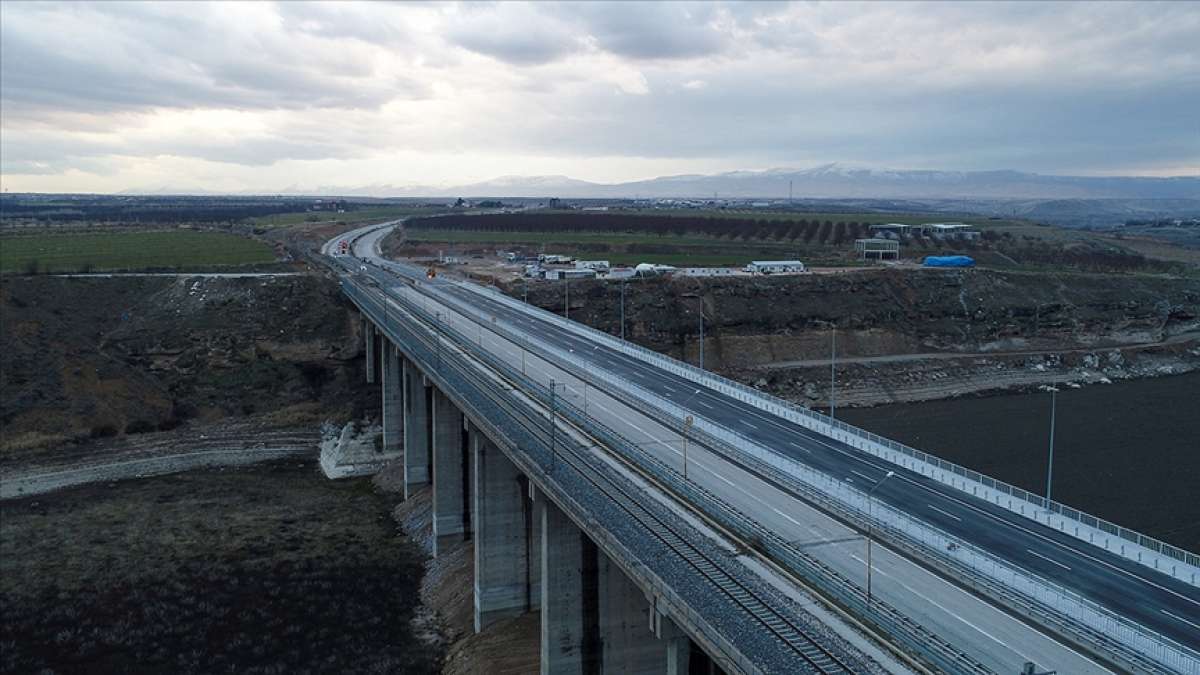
[
  {"x": 354, "y": 216},
  {"x": 721, "y": 238},
  {"x": 176, "y": 249}
]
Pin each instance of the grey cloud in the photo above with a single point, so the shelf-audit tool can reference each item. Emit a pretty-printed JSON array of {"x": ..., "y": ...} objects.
[
  {"x": 669, "y": 30},
  {"x": 344, "y": 20},
  {"x": 542, "y": 33},
  {"x": 1049, "y": 127},
  {"x": 517, "y": 47},
  {"x": 152, "y": 59}
]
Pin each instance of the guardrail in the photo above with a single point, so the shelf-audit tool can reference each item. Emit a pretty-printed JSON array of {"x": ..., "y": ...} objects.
[
  {"x": 1132, "y": 545},
  {"x": 843, "y": 591},
  {"x": 1055, "y": 604}
]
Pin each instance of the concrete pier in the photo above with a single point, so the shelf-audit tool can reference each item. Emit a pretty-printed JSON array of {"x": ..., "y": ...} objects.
[
  {"x": 569, "y": 596},
  {"x": 628, "y": 644},
  {"x": 676, "y": 643},
  {"x": 501, "y": 541},
  {"x": 369, "y": 333},
  {"x": 393, "y": 400},
  {"x": 417, "y": 419},
  {"x": 450, "y": 474}
]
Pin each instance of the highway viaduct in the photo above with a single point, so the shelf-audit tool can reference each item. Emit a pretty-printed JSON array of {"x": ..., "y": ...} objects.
[{"x": 580, "y": 504}]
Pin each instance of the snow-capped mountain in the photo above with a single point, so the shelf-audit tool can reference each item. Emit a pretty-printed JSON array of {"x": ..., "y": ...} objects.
[{"x": 836, "y": 181}]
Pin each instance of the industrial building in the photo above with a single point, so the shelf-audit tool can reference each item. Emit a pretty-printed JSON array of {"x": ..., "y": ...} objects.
[
  {"x": 877, "y": 249},
  {"x": 570, "y": 273},
  {"x": 598, "y": 265},
  {"x": 708, "y": 272},
  {"x": 936, "y": 230},
  {"x": 775, "y": 267}
]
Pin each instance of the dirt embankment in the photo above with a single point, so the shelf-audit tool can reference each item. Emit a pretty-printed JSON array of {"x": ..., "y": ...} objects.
[
  {"x": 87, "y": 359},
  {"x": 1034, "y": 328},
  {"x": 508, "y": 646}
]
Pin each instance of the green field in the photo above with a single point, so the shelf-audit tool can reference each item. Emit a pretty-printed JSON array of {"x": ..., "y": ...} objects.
[
  {"x": 355, "y": 216},
  {"x": 129, "y": 251}
]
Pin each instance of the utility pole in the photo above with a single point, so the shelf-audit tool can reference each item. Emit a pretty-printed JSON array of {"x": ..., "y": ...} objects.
[
  {"x": 700, "y": 299},
  {"x": 1050, "y": 463},
  {"x": 832, "y": 365},
  {"x": 525, "y": 289},
  {"x": 567, "y": 306}
]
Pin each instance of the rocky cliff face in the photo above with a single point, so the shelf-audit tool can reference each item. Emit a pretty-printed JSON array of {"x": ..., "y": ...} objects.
[
  {"x": 99, "y": 357},
  {"x": 904, "y": 335},
  {"x": 758, "y": 320}
]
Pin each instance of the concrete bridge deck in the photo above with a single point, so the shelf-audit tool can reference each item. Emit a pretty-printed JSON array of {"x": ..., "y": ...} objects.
[{"x": 989, "y": 637}]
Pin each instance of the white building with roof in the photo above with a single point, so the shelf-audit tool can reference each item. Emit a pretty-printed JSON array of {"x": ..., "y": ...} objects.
[{"x": 776, "y": 267}]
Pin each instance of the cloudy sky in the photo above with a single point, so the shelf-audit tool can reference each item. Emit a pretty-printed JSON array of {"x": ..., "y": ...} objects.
[{"x": 230, "y": 97}]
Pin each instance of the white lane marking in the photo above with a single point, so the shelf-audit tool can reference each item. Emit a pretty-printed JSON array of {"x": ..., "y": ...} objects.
[
  {"x": 750, "y": 424},
  {"x": 862, "y": 475},
  {"x": 799, "y": 447},
  {"x": 701, "y": 402},
  {"x": 1180, "y": 618},
  {"x": 878, "y": 570},
  {"x": 1050, "y": 560},
  {"x": 944, "y": 513}
]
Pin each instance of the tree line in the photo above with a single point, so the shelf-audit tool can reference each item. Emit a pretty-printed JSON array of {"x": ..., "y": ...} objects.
[{"x": 802, "y": 229}]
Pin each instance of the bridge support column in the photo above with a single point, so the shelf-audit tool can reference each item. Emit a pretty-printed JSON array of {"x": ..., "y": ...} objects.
[
  {"x": 393, "y": 400},
  {"x": 449, "y": 474},
  {"x": 569, "y": 596},
  {"x": 678, "y": 644},
  {"x": 627, "y": 639},
  {"x": 369, "y": 333},
  {"x": 501, "y": 544},
  {"x": 417, "y": 418}
]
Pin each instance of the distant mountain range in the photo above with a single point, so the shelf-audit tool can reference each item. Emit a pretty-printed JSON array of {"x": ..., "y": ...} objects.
[{"x": 831, "y": 181}]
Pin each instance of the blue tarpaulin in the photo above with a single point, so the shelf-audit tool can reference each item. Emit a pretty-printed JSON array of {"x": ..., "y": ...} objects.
[{"x": 949, "y": 261}]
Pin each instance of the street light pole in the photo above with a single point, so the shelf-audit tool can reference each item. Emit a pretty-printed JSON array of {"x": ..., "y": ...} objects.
[
  {"x": 567, "y": 305},
  {"x": 687, "y": 426},
  {"x": 1050, "y": 463},
  {"x": 700, "y": 299},
  {"x": 832, "y": 372},
  {"x": 622, "y": 310},
  {"x": 553, "y": 426},
  {"x": 438, "y": 338},
  {"x": 688, "y": 421},
  {"x": 870, "y": 521}
]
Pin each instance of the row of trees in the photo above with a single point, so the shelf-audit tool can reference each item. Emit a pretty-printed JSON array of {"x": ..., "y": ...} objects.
[
  {"x": 181, "y": 209},
  {"x": 801, "y": 229}
]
